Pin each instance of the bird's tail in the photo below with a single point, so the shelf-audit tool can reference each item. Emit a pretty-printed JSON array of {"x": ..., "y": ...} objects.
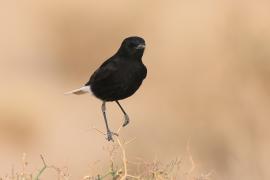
[{"x": 82, "y": 90}]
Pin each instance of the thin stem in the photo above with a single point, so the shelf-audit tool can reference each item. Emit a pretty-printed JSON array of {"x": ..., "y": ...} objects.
[{"x": 43, "y": 169}]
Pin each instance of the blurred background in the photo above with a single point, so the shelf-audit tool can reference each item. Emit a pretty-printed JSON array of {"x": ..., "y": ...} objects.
[{"x": 208, "y": 83}]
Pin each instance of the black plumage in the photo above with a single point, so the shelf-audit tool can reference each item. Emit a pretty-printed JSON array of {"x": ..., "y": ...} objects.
[{"x": 119, "y": 77}]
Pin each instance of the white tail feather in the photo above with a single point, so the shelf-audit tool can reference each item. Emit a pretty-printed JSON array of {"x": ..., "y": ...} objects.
[{"x": 82, "y": 90}]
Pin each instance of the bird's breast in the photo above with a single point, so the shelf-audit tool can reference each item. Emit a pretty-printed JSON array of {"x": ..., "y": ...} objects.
[{"x": 121, "y": 84}]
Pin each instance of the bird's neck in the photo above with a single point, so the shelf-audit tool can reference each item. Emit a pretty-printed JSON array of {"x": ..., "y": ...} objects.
[{"x": 137, "y": 55}]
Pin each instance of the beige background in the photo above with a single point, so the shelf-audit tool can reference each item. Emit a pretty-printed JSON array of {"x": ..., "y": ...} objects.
[{"x": 208, "y": 83}]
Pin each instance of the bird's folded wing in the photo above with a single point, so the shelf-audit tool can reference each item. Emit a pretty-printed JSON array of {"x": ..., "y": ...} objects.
[{"x": 106, "y": 70}]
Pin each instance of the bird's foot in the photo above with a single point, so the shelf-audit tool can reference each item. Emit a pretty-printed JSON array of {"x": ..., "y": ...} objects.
[
  {"x": 126, "y": 121},
  {"x": 110, "y": 135}
]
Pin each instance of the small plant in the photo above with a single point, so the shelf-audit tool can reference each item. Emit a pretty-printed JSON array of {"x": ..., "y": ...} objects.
[{"x": 118, "y": 167}]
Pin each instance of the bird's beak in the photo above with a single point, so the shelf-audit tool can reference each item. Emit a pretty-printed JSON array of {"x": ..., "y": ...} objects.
[{"x": 140, "y": 46}]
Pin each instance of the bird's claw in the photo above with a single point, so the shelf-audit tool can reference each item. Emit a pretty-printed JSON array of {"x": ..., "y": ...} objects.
[
  {"x": 110, "y": 135},
  {"x": 126, "y": 121}
]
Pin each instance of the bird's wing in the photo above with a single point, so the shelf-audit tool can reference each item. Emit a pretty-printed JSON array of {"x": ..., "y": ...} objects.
[{"x": 107, "y": 69}]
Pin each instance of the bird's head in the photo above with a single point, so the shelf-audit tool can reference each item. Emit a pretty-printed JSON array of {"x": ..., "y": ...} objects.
[{"x": 132, "y": 47}]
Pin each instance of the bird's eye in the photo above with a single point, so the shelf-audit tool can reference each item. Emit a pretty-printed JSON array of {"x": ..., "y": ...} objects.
[{"x": 132, "y": 45}]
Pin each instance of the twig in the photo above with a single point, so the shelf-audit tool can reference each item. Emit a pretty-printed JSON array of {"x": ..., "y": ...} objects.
[
  {"x": 101, "y": 132},
  {"x": 43, "y": 168},
  {"x": 46, "y": 166},
  {"x": 124, "y": 158},
  {"x": 130, "y": 141}
]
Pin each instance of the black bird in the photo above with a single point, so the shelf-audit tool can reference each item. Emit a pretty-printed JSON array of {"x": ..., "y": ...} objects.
[{"x": 118, "y": 78}]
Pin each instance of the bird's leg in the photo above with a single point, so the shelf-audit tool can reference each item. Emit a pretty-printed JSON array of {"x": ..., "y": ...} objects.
[
  {"x": 125, "y": 114},
  {"x": 109, "y": 132}
]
